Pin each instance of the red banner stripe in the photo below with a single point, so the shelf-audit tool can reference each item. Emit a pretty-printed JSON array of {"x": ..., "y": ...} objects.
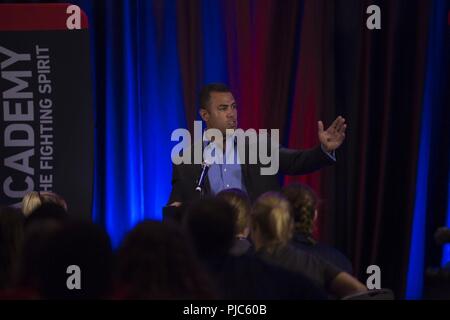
[{"x": 29, "y": 17}]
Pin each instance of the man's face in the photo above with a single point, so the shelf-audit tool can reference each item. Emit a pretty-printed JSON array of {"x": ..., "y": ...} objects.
[{"x": 221, "y": 113}]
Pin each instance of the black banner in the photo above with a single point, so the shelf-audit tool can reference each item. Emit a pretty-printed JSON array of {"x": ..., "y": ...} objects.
[{"x": 46, "y": 120}]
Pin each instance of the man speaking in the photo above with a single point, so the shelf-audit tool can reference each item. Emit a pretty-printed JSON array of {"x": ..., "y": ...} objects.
[{"x": 218, "y": 109}]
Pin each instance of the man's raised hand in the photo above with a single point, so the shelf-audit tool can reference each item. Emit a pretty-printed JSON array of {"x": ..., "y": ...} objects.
[{"x": 333, "y": 137}]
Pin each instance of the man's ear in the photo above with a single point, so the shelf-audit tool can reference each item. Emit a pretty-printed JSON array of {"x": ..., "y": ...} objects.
[{"x": 204, "y": 114}]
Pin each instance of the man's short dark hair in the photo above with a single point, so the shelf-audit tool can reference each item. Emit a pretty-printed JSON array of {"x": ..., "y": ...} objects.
[{"x": 205, "y": 93}]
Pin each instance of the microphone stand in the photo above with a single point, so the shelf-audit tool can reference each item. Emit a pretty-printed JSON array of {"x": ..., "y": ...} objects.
[{"x": 201, "y": 181}]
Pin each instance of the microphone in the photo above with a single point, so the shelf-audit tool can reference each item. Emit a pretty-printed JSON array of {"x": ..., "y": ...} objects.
[{"x": 203, "y": 174}]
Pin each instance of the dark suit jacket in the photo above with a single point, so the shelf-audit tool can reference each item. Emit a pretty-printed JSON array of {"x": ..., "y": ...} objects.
[{"x": 291, "y": 162}]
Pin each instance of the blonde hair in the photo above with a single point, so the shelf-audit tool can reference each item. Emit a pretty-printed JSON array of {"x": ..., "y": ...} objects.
[
  {"x": 34, "y": 199},
  {"x": 241, "y": 204},
  {"x": 271, "y": 216}
]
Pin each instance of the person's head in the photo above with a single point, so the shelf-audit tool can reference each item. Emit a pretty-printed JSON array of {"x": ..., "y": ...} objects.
[
  {"x": 217, "y": 107},
  {"x": 156, "y": 261},
  {"x": 210, "y": 222},
  {"x": 34, "y": 199},
  {"x": 271, "y": 221},
  {"x": 39, "y": 226},
  {"x": 76, "y": 253},
  {"x": 37, "y": 237},
  {"x": 239, "y": 200},
  {"x": 48, "y": 211},
  {"x": 303, "y": 202},
  {"x": 11, "y": 239}
]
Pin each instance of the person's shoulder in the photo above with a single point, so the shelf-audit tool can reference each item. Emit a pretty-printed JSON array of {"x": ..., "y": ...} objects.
[
  {"x": 334, "y": 256},
  {"x": 327, "y": 249},
  {"x": 300, "y": 238},
  {"x": 295, "y": 284},
  {"x": 287, "y": 250},
  {"x": 297, "y": 257}
]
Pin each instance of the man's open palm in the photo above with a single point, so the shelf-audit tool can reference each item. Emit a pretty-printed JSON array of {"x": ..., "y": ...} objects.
[{"x": 333, "y": 137}]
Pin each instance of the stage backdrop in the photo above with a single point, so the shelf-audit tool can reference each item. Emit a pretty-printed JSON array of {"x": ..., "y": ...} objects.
[{"x": 289, "y": 64}]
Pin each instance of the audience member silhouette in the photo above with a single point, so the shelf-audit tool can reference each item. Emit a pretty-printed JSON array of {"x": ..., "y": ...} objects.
[
  {"x": 211, "y": 225},
  {"x": 11, "y": 241},
  {"x": 156, "y": 261},
  {"x": 272, "y": 229},
  {"x": 304, "y": 203},
  {"x": 240, "y": 202},
  {"x": 62, "y": 251},
  {"x": 47, "y": 212},
  {"x": 34, "y": 199}
]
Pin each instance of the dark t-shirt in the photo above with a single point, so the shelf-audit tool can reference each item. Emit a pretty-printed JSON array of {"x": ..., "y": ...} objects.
[
  {"x": 292, "y": 259},
  {"x": 327, "y": 253},
  {"x": 248, "y": 277}
]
